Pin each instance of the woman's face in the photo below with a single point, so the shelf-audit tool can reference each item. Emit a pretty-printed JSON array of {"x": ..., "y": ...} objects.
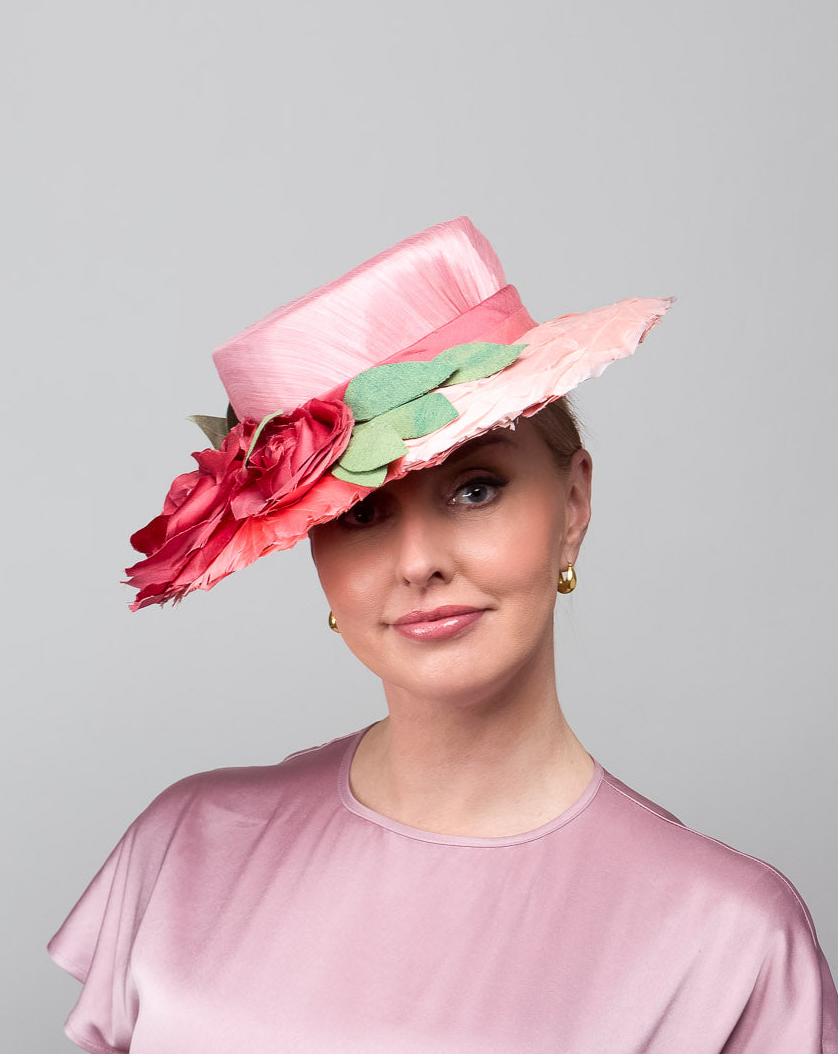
[{"x": 443, "y": 582}]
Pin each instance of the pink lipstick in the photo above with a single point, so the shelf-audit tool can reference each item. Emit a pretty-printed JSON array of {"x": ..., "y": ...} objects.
[{"x": 437, "y": 623}]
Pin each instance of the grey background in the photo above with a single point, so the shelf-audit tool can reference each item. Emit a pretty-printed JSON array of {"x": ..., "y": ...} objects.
[{"x": 176, "y": 170}]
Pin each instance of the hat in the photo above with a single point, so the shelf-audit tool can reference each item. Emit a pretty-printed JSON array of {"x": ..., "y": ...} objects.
[{"x": 379, "y": 373}]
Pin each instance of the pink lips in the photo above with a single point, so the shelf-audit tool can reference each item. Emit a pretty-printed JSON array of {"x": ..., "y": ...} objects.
[{"x": 438, "y": 623}]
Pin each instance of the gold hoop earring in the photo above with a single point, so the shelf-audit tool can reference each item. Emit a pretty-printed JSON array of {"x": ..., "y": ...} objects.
[
  {"x": 567, "y": 580},
  {"x": 333, "y": 623}
]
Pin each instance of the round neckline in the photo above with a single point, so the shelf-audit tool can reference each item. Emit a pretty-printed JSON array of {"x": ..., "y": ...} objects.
[{"x": 351, "y": 803}]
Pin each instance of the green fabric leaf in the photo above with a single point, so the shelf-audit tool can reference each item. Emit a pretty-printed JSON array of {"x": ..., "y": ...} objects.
[
  {"x": 372, "y": 445},
  {"x": 378, "y": 442},
  {"x": 258, "y": 432},
  {"x": 380, "y": 388},
  {"x": 214, "y": 428},
  {"x": 420, "y": 416},
  {"x": 470, "y": 362},
  {"x": 396, "y": 401},
  {"x": 362, "y": 479}
]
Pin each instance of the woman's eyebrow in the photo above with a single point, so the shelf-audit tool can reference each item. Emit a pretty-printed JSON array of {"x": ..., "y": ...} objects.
[{"x": 489, "y": 439}]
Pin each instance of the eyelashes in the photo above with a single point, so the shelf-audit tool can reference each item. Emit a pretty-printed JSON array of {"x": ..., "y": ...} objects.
[
  {"x": 362, "y": 514},
  {"x": 475, "y": 491}
]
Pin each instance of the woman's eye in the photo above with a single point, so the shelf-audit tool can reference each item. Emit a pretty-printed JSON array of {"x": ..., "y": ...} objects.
[
  {"x": 362, "y": 514},
  {"x": 476, "y": 492}
]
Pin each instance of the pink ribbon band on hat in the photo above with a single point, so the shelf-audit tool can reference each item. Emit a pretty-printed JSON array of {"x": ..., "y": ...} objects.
[{"x": 500, "y": 319}]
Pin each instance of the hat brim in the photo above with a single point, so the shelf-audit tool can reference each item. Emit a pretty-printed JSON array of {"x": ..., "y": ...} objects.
[{"x": 557, "y": 357}]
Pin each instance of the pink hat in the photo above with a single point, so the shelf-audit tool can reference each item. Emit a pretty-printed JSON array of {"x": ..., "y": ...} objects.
[{"x": 385, "y": 370}]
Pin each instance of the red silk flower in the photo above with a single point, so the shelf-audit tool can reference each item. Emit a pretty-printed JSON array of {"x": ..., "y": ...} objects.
[{"x": 205, "y": 509}]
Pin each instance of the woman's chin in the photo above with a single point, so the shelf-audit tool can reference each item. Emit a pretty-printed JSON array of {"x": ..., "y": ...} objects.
[{"x": 455, "y": 682}]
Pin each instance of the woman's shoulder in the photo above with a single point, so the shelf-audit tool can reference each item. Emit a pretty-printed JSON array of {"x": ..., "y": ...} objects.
[
  {"x": 242, "y": 795},
  {"x": 188, "y": 828},
  {"x": 252, "y": 786},
  {"x": 679, "y": 860}
]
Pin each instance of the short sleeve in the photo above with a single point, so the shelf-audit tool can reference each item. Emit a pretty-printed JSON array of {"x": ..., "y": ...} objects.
[
  {"x": 94, "y": 945},
  {"x": 793, "y": 1005}
]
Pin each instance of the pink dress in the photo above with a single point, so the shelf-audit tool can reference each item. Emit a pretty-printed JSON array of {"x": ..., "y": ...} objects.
[{"x": 265, "y": 910}]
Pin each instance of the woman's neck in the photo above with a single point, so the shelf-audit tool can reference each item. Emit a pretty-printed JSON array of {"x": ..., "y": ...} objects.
[{"x": 488, "y": 767}]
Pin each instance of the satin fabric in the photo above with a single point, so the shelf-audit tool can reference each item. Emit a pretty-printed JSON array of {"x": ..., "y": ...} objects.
[{"x": 266, "y": 910}]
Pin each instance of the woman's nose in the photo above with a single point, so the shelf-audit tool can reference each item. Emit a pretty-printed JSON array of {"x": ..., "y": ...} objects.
[{"x": 423, "y": 549}]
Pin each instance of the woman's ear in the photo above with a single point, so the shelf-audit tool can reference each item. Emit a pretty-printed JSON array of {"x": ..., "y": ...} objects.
[{"x": 577, "y": 503}]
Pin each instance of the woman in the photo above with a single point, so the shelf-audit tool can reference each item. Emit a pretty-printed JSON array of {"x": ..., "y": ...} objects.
[{"x": 461, "y": 876}]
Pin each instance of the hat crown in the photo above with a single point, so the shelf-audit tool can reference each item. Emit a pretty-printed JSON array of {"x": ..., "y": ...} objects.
[{"x": 319, "y": 341}]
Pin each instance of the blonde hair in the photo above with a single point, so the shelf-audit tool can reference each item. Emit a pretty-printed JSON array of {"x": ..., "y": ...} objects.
[{"x": 558, "y": 426}]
